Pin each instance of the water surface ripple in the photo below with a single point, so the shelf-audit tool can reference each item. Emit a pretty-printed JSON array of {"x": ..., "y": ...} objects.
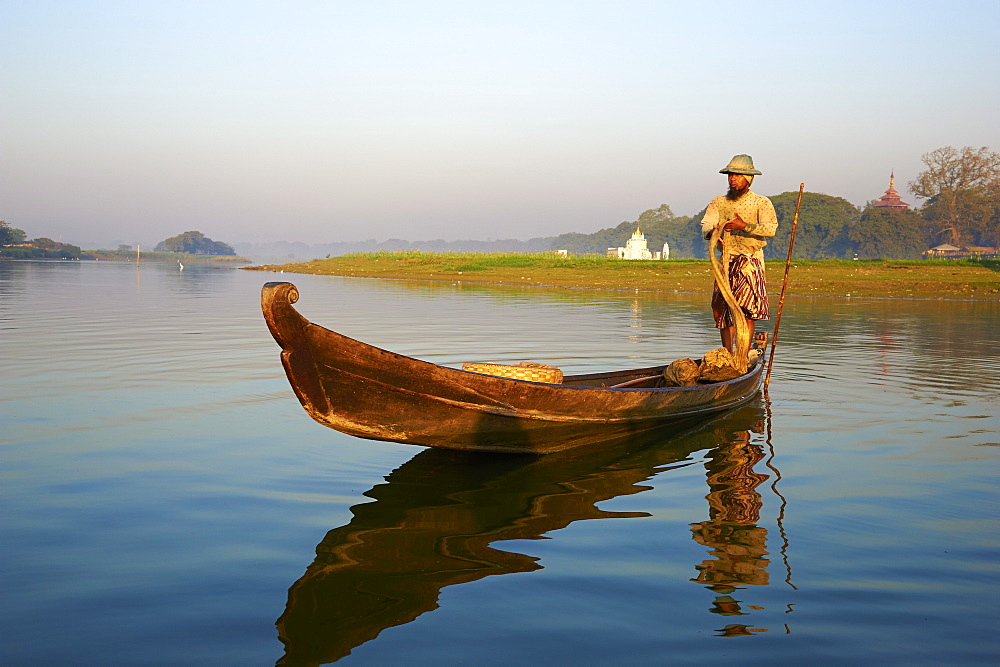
[{"x": 167, "y": 501}]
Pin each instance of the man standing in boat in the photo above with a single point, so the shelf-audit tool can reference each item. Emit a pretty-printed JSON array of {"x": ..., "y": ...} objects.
[{"x": 748, "y": 219}]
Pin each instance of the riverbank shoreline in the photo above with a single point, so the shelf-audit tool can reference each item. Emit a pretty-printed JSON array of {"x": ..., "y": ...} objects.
[{"x": 873, "y": 278}]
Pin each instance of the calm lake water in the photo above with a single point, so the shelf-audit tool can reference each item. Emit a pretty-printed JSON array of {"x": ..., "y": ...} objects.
[{"x": 166, "y": 501}]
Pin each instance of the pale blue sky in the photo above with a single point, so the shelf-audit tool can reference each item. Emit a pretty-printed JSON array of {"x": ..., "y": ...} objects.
[{"x": 133, "y": 121}]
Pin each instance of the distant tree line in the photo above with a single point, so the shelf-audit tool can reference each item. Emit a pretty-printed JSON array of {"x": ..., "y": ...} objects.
[
  {"x": 962, "y": 192},
  {"x": 960, "y": 189},
  {"x": 13, "y": 245}
]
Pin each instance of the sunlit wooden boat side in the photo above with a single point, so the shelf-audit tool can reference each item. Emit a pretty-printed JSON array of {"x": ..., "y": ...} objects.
[{"x": 372, "y": 393}]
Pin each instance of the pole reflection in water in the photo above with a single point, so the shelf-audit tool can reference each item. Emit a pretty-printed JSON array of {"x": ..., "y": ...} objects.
[
  {"x": 434, "y": 520},
  {"x": 737, "y": 543}
]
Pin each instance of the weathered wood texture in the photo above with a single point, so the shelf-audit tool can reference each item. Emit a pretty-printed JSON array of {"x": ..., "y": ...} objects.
[{"x": 373, "y": 393}]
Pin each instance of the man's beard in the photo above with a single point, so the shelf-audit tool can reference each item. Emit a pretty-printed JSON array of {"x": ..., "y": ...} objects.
[{"x": 736, "y": 193}]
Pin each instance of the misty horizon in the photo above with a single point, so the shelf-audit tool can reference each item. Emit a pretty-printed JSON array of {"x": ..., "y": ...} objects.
[
  {"x": 113, "y": 244},
  {"x": 129, "y": 123}
]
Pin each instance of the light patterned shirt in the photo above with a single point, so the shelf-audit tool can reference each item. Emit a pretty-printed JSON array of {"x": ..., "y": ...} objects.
[{"x": 755, "y": 210}]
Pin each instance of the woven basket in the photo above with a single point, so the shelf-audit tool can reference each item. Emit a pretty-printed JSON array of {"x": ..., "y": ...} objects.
[{"x": 526, "y": 370}]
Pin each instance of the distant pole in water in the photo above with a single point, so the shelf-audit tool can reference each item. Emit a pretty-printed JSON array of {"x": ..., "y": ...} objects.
[
  {"x": 138, "y": 248},
  {"x": 784, "y": 284}
]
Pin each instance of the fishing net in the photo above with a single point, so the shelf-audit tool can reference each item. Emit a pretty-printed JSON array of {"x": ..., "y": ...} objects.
[{"x": 526, "y": 370}]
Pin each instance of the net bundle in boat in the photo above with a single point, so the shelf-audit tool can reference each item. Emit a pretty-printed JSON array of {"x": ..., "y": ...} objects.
[{"x": 526, "y": 370}]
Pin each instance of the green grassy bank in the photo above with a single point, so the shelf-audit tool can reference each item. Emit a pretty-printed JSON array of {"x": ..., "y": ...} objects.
[{"x": 932, "y": 279}]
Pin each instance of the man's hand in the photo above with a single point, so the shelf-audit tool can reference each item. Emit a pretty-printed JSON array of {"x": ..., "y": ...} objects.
[{"x": 735, "y": 225}]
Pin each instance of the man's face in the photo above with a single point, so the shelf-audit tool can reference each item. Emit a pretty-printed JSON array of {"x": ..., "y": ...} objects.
[{"x": 738, "y": 181}]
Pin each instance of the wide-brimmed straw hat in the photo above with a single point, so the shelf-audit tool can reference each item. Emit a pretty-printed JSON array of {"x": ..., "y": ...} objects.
[{"x": 740, "y": 164}]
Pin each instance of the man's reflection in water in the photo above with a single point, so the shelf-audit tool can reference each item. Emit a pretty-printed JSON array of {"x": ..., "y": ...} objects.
[{"x": 737, "y": 543}]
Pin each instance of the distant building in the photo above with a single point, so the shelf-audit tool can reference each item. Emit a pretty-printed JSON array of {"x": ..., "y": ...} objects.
[
  {"x": 891, "y": 199},
  {"x": 948, "y": 251},
  {"x": 635, "y": 248},
  {"x": 944, "y": 250}
]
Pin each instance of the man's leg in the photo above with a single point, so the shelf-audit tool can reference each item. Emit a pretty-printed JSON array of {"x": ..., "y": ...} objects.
[
  {"x": 727, "y": 337},
  {"x": 729, "y": 334}
]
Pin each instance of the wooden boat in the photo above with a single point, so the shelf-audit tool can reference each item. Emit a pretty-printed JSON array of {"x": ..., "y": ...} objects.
[{"x": 373, "y": 393}]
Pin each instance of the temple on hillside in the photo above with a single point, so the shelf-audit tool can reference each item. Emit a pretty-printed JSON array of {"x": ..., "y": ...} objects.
[{"x": 891, "y": 198}]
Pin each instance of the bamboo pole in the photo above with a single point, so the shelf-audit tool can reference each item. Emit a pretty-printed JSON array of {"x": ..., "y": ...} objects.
[{"x": 784, "y": 284}]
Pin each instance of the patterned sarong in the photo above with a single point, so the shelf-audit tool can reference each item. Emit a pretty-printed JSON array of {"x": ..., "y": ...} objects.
[{"x": 746, "y": 279}]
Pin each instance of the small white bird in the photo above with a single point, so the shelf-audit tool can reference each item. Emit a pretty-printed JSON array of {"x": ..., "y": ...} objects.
[{"x": 180, "y": 265}]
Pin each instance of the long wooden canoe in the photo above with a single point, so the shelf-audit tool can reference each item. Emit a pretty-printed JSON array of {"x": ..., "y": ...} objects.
[{"x": 373, "y": 393}]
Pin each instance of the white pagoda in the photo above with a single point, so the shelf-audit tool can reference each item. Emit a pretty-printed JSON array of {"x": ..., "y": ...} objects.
[{"x": 635, "y": 248}]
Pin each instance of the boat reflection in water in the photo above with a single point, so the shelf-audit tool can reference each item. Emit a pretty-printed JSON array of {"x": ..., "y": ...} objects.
[{"x": 434, "y": 520}]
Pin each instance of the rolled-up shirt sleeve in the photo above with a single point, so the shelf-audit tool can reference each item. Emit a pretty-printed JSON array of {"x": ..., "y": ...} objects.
[
  {"x": 767, "y": 220},
  {"x": 710, "y": 220}
]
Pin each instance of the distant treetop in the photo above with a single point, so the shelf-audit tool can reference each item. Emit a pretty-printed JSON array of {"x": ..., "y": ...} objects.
[
  {"x": 194, "y": 243},
  {"x": 10, "y": 235}
]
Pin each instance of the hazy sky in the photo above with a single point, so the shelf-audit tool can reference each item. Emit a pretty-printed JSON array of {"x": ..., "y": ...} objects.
[{"x": 133, "y": 121}]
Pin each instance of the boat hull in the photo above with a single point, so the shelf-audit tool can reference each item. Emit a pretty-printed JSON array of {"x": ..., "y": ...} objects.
[{"x": 372, "y": 393}]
